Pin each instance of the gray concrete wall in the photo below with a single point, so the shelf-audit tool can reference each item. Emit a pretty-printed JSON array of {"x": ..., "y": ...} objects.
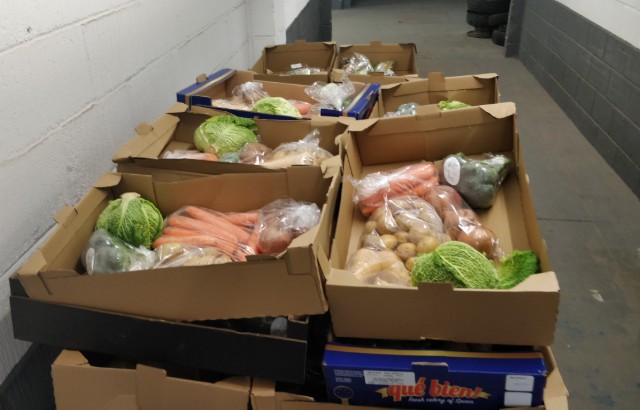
[
  {"x": 313, "y": 23},
  {"x": 593, "y": 75}
]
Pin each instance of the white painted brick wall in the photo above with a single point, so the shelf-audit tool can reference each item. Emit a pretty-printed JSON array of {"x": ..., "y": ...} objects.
[
  {"x": 78, "y": 77},
  {"x": 620, "y": 17}
]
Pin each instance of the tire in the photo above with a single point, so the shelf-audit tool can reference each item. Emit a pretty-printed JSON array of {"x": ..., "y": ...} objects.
[
  {"x": 498, "y": 37},
  {"x": 488, "y": 6},
  {"x": 478, "y": 20},
  {"x": 498, "y": 19}
]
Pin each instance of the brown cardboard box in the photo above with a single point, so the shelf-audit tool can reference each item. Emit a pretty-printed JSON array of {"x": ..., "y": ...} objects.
[
  {"x": 219, "y": 85},
  {"x": 524, "y": 315},
  {"x": 79, "y": 385},
  {"x": 289, "y": 284},
  {"x": 277, "y": 60},
  {"x": 265, "y": 397},
  {"x": 403, "y": 55},
  {"x": 174, "y": 130},
  {"x": 471, "y": 89}
]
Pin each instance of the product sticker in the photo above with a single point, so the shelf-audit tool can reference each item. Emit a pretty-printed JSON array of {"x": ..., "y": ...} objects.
[
  {"x": 517, "y": 399},
  {"x": 452, "y": 171},
  {"x": 519, "y": 383},
  {"x": 389, "y": 378},
  {"x": 296, "y": 65}
]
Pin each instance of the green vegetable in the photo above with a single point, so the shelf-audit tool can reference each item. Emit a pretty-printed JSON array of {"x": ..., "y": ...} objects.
[
  {"x": 276, "y": 105},
  {"x": 516, "y": 267},
  {"x": 476, "y": 180},
  {"x": 446, "y": 105},
  {"x": 224, "y": 134},
  {"x": 131, "y": 218},
  {"x": 427, "y": 270},
  {"x": 454, "y": 259},
  {"x": 105, "y": 253}
]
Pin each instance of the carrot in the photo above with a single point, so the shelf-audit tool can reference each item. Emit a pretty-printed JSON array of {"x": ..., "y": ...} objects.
[
  {"x": 176, "y": 231},
  {"x": 185, "y": 222},
  {"x": 242, "y": 219},
  {"x": 221, "y": 223}
]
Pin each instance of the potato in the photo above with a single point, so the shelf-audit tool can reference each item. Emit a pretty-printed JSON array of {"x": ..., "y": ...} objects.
[
  {"x": 427, "y": 244},
  {"x": 410, "y": 263},
  {"x": 402, "y": 236},
  {"x": 370, "y": 226},
  {"x": 389, "y": 241},
  {"x": 406, "y": 250}
]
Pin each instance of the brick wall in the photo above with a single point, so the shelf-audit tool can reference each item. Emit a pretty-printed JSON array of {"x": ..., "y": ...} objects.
[{"x": 593, "y": 75}]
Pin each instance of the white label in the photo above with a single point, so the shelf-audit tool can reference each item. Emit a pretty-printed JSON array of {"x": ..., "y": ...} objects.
[
  {"x": 297, "y": 65},
  {"x": 452, "y": 171},
  {"x": 519, "y": 383},
  {"x": 388, "y": 378},
  {"x": 516, "y": 399}
]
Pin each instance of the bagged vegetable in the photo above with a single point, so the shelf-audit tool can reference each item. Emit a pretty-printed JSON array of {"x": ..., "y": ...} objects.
[
  {"x": 375, "y": 189},
  {"x": 358, "y": 63},
  {"x": 106, "y": 253},
  {"x": 477, "y": 180},
  {"x": 253, "y": 153},
  {"x": 248, "y": 93},
  {"x": 132, "y": 219},
  {"x": 283, "y": 220},
  {"x": 378, "y": 267},
  {"x": 173, "y": 254},
  {"x": 306, "y": 151},
  {"x": 331, "y": 95},
  {"x": 403, "y": 109},
  {"x": 406, "y": 225},
  {"x": 232, "y": 234},
  {"x": 224, "y": 134},
  {"x": 460, "y": 221}
]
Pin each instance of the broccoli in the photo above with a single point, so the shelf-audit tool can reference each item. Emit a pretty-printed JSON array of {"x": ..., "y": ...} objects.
[{"x": 516, "y": 267}]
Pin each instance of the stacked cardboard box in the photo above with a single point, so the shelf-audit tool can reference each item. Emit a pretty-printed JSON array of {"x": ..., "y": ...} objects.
[{"x": 200, "y": 336}]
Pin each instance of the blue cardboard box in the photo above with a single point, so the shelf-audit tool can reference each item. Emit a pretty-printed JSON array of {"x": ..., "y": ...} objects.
[
  {"x": 219, "y": 85},
  {"x": 434, "y": 379}
]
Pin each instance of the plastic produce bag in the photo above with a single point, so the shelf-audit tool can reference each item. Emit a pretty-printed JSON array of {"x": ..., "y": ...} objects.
[
  {"x": 477, "y": 180},
  {"x": 176, "y": 254},
  {"x": 357, "y": 63},
  {"x": 403, "y": 109},
  {"x": 105, "y": 253},
  {"x": 306, "y": 151},
  {"x": 331, "y": 95},
  {"x": 249, "y": 93},
  {"x": 283, "y": 220},
  {"x": 189, "y": 154}
]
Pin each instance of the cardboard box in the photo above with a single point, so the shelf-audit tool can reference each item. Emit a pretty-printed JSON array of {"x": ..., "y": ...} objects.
[
  {"x": 289, "y": 284},
  {"x": 220, "y": 85},
  {"x": 403, "y": 55},
  {"x": 524, "y": 315},
  {"x": 277, "y": 60},
  {"x": 79, "y": 385},
  {"x": 447, "y": 379},
  {"x": 265, "y": 395},
  {"x": 208, "y": 345},
  {"x": 174, "y": 130},
  {"x": 477, "y": 89}
]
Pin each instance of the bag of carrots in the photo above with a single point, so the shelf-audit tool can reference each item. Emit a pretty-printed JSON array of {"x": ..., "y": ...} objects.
[{"x": 375, "y": 189}]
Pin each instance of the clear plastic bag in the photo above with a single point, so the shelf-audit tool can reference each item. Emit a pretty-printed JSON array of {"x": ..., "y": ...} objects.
[
  {"x": 227, "y": 232},
  {"x": 357, "y": 63},
  {"x": 282, "y": 220},
  {"x": 231, "y": 104},
  {"x": 375, "y": 189},
  {"x": 306, "y": 151},
  {"x": 249, "y": 93},
  {"x": 331, "y": 95},
  {"x": 385, "y": 67},
  {"x": 253, "y": 153},
  {"x": 403, "y": 109},
  {"x": 176, "y": 254},
  {"x": 105, "y": 253},
  {"x": 461, "y": 223},
  {"x": 477, "y": 180},
  {"x": 375, "y": 266}
]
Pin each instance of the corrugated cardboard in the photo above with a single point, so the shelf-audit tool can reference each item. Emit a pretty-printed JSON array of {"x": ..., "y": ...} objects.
[
  {"x": 403, "y": 55},
  {"x": 289, "y": 284},
  {"x": 524, "y": 315},
  {"x": 80, "y": 386},
  {"x": 264, "y": 395},
  {"x": 277, "y": 60},
  {"x": 174, "y": 130},
  {"x": 471, "y": 89},
  {"x": 220, "y": 85}
]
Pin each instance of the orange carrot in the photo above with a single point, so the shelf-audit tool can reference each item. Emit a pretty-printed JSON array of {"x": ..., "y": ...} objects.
[
  {"x": 242, "y": 219},
  {"x": 185, "y": 222},
  {"x": 221, "y": 223},
  {"x": 175, "y": 231}
]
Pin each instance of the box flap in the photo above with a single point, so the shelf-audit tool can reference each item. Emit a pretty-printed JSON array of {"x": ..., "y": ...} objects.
[
  {"x": 65, "y": 215},
  {"x": 108, "y": 180},
  {"x": 501, "y": 110},
  {"x": 123, "y": 402},
  {"x": 150, "y": 387}
]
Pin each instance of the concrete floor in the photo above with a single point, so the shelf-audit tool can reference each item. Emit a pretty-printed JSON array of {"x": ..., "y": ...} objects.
[{"x": 588, "y": 216}]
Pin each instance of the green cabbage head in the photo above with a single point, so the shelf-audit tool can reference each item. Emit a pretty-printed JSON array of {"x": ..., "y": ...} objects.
[
  {"x": 219, "y": 136},
  {"x": 276, "y": 105},
  {"x": 133, "y": 219}
]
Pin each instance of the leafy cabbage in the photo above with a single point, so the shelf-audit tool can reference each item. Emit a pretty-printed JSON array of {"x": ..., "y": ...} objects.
[
  {"x": 276, "y": 105},
  {"x": 224, "y": 134},
  {"x": 447, "y": 105},
  {"x": 133, "y": 219}
]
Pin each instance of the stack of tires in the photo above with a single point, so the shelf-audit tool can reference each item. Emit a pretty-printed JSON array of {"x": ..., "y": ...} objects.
[{"x": 489, "y": 17}]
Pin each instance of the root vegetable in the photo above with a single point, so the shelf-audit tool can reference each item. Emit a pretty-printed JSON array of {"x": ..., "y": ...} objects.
[{"x": 406, "y": 250}]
